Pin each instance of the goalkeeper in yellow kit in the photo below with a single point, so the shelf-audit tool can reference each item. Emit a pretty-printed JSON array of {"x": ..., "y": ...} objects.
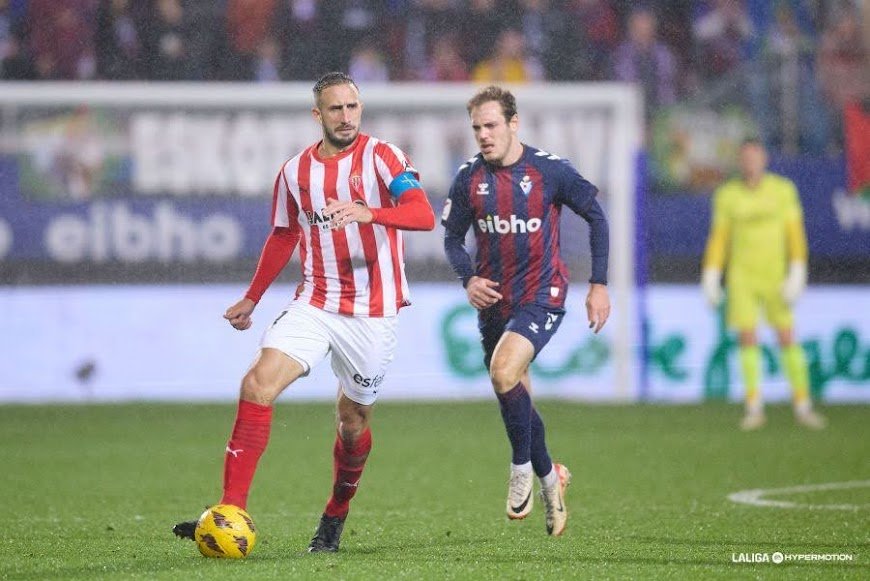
[{"x": 757, "y": 231}]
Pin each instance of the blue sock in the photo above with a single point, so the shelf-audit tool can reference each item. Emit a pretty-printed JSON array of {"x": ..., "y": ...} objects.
[
  {"x": 516, "y": 406},
  {"x": 541, "y": 462}
]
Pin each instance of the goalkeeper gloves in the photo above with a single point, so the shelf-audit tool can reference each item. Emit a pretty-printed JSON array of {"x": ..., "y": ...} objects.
[
  {"x": 710, "y": 283},
  {"x": 795, "y": 281}
]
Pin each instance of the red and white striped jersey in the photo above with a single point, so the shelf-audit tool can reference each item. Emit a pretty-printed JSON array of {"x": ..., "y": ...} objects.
[{"x": 357, "y": 270}]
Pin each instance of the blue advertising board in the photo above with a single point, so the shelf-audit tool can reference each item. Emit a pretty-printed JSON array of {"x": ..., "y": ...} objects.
[{"x": 837, "y": 222}]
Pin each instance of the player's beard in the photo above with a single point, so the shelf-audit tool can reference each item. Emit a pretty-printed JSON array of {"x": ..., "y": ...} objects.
[
  {"x": 336, "y": 140},
  {"x": 495, "y": 156}
]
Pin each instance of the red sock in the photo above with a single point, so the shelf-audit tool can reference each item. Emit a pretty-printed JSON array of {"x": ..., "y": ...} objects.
[
  {"x": 348, "y": 467},
  {"x": 246, "y": 445}
]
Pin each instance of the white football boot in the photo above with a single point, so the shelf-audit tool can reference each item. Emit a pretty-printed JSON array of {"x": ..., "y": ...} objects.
[
  {"x": 810, "y": 419},
  {"x": 752, "y": 421},
  {"x": 519, "y": 500},
  {"x": 554, "y": 501}
]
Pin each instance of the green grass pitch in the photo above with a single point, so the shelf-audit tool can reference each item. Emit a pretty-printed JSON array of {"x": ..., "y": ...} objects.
[{"x": 92, "y": 492}]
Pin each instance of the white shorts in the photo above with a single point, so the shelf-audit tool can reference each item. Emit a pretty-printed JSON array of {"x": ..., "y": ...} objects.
[{"x": 361, "y": 347}]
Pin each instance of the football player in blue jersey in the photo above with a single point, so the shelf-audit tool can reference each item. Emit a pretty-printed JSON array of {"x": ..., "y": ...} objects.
[{"x": 511, "y": 195}]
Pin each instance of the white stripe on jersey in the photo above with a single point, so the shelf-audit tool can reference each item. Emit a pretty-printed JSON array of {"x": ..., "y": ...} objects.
[
  {"x": 281, "y": 213},
  {"x": 384, "y": 170},
  {"x": 291, "y": 171},
  {"x": 400, "y": 155},
  {"x": 327, "y": 245},
  {"x": 354, "y": 243},
  {"x": 382, "y": 239}
]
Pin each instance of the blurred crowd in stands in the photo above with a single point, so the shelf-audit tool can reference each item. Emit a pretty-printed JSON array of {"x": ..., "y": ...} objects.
[{"x": 796, "y": 64}]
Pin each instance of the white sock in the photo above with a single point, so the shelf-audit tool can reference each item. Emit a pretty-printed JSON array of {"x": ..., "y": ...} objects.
[
  {"x": 527, "y": 467},
  {"x": 550, "y": 479}
]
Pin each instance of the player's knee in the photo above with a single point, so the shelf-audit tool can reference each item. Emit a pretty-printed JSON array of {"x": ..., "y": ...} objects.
[
  {"x": 255, "y": 390},
  {"x": 503, "y": 379}
]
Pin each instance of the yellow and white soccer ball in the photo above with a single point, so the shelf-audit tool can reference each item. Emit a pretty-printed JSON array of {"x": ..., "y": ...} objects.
[{"x": 226, "y": 531}]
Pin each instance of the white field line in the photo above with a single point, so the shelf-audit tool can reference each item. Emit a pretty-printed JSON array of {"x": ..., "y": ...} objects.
[{"x": 755, "y": 497}]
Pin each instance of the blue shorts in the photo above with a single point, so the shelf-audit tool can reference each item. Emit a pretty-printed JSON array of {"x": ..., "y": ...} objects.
[{"x": 536, "y": 323}]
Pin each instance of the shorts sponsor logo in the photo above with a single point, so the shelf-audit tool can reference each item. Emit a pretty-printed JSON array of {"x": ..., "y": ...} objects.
[{"x": 368, "y": 381}]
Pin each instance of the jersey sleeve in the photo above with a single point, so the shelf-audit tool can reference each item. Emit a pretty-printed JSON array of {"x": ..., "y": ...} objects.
[
  {"x": 796, "y": 237},
  {"x": 392, "y": 163},
  {"x": 277, "y": 251},
  {"x": 456, "y": 217},
  {"x": 720, "y": 228},
  {"x": 579, "y": 194},
  {"x": 285, "y": 211},
  {"x": 575, "y": 191}
]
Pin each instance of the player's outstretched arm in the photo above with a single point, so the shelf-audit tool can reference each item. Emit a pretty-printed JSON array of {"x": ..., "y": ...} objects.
[
  {"x": 276, "y": 253},
  {"x": 597, "y": 306}
]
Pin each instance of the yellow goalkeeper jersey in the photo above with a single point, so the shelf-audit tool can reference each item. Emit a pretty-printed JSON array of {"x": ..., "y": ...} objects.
[{"x": 757, "y": 231}]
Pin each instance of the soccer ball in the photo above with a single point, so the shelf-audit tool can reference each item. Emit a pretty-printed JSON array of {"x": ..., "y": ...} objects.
[{"x": 225, "y": 531}]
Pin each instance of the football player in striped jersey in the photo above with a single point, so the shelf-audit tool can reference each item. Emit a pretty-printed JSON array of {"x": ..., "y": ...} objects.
[
  {"x": 344, "y": 200},
  {"x": 511, "y": 195}
]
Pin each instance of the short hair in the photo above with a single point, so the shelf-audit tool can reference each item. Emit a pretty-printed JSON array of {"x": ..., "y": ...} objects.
[
  {"x": 330, "y": 80},
  {"x": 493, "y": 93}
]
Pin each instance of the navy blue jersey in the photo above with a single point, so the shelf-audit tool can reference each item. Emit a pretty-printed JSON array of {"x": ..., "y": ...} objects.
[{"x": 515, "y": 214}]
